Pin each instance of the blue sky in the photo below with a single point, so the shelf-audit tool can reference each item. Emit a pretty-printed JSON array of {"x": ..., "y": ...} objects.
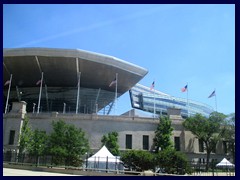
[{"x": 178, "y": 44}]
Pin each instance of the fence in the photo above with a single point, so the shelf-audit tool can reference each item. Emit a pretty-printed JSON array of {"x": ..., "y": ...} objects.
[
  {"x": 108, "y": 165},
  {"x": 97, "y": 164},
  {"x": 13, "y": 157},
  {"x": 199, "y": 169}
]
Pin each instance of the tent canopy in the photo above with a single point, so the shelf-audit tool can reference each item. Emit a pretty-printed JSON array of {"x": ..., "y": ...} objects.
[
  {"x": 103, "y": 155},
  {"x": 225, "y": 163}
]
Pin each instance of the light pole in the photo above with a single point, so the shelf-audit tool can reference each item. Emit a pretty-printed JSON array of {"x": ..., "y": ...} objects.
[
  {"x": 64, "y": 108},
  {"x": 86, "y": 161},
  {"x": 34, "y": 104},
  {"x": 8, "y": 107},
  {"x": 96, "y": 108}
]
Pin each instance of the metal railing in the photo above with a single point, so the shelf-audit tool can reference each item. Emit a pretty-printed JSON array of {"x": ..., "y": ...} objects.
[{"x": 108, "y": 166}]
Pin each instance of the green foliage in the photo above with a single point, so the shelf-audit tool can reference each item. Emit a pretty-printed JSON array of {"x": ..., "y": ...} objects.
[
  {"x": 162, "y": 139},
  {"x": 228, "y": 134},
  {"x": 111, "y": 142},
  {"x": 25, "y": 135},
  {"x": 206, "y": 129},
  {"x": 38, "y": 143},
  {"x": 76, "y": 145},
  {"x": 67, "y": 144},
  {"x": 173, "y": 162},
  {"x": 57, "y": 141},
  {"x": 138, "y": 160}
]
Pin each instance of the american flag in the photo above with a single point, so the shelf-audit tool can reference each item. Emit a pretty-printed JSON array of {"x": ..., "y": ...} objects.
[
  {"x": 152, "y": 86},
  {"x": 38, "y": 82},
  {"x": 184, "y": 88},
  {"x": 113, "y": 82},
  {"x": 213, "y": 94},
  {"x": 7, "y": 82}
]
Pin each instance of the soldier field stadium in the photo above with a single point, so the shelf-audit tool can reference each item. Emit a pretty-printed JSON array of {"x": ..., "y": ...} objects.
[{"x": 81, "y": 88}]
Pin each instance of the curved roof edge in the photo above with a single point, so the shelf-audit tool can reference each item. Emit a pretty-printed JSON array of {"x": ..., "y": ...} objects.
[{"x": 77, "y": 53}]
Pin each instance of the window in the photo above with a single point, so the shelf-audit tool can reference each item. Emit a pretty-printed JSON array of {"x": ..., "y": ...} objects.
[
  {"x": 145, "y": 142},
  {"x": 200, "y": 144},
  {"x": 11, "y": 137},
  {"x": 128, "y": 141},
  {"x": 177, "y": 143}
]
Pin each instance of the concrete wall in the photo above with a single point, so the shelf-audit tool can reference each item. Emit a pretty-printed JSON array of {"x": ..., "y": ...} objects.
[{"x": 95, "y": 126}]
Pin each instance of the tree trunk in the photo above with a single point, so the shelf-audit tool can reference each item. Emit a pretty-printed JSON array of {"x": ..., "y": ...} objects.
[{"x": 208, "y": 157}]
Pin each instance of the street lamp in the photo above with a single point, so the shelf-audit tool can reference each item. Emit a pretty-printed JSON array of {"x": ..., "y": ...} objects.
[
  {"x": 64, "y": 108},
  {"x": 96, "y": 108},
  {"x": 34, "y": 104}
]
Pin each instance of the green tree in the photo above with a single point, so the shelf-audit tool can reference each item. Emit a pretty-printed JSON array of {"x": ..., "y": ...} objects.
[
  {"x": 162, "y": 139},
  {"x": 67, "y": 144},
  {"x": 37, "y": 144},
  {"x": 76, "y": 145},
  {"x": 57, "y": 141},
  {"x": 138, "y": 160},
  {"x": 207, "y": 130},
  {"x": 111, "y": 142},
  {"x": 173, "y": 162},
  {"x": 24, "y": 138},
  {"x": 228, "y": 134}
]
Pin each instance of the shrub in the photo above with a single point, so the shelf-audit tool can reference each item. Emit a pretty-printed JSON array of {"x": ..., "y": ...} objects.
[{"x": 172, "y": 161}]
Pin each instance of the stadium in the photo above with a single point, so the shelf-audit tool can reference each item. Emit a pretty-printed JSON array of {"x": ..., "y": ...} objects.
[
  {"x": 48, "y": 84},
  {"x": 63, "y": 69},
  {"x": 145, "y": 99}
]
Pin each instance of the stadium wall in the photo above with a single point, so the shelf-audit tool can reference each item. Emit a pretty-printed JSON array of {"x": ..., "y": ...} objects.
[{"x": 95, "y": 126}]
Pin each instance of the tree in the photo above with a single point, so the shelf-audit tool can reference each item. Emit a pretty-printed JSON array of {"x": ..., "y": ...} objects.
[
  {"x": 228, "y": 134},
  {"x": 24, "y": 137},
  {"x": 67, "y": 144},
  {"x": 206, "y": 129},
  {"x": 57, "y": 141},
  {"x": 76, "y": 145},
  {"x": 37, "y": 144},
  {"x": 138, "y": 160},
  {"x": 163, "y": 134},
  {"x": 111, "y": 142}
]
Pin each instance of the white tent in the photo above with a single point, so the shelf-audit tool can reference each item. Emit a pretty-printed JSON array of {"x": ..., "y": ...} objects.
[
  {"x": 103, "y": 155},
  {"x": 103, "y": 159},
  {"x": 225, "y": 163}
]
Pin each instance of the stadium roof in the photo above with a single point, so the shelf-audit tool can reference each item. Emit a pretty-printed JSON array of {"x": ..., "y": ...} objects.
[{"x": 61, "y": 68}]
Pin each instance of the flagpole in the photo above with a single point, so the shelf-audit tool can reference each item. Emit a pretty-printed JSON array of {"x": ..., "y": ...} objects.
[
  {"x": 9, "y": 87},
  {"x": 215, "y": 99},
  {"x": 79, "y": 79},
  {"x": 187, "y": 102},
  {"x": 154, "y": 111},
  {"x": 40, "y": 93},
  {"x": 116, "y": 92},
  {"x": 46, "y": 97}
]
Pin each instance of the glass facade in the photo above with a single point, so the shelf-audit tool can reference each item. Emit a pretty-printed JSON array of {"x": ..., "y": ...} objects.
[
  {"x": 143, "y": 98},
  {"x": 54, "y": 98}
]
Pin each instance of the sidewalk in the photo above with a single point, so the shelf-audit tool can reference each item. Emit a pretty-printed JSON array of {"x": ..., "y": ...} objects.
[{"x": 20, "y": 172}]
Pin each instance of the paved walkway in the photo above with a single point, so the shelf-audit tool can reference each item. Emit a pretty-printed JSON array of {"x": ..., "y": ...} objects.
[{"x": 20, "y": 172}]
